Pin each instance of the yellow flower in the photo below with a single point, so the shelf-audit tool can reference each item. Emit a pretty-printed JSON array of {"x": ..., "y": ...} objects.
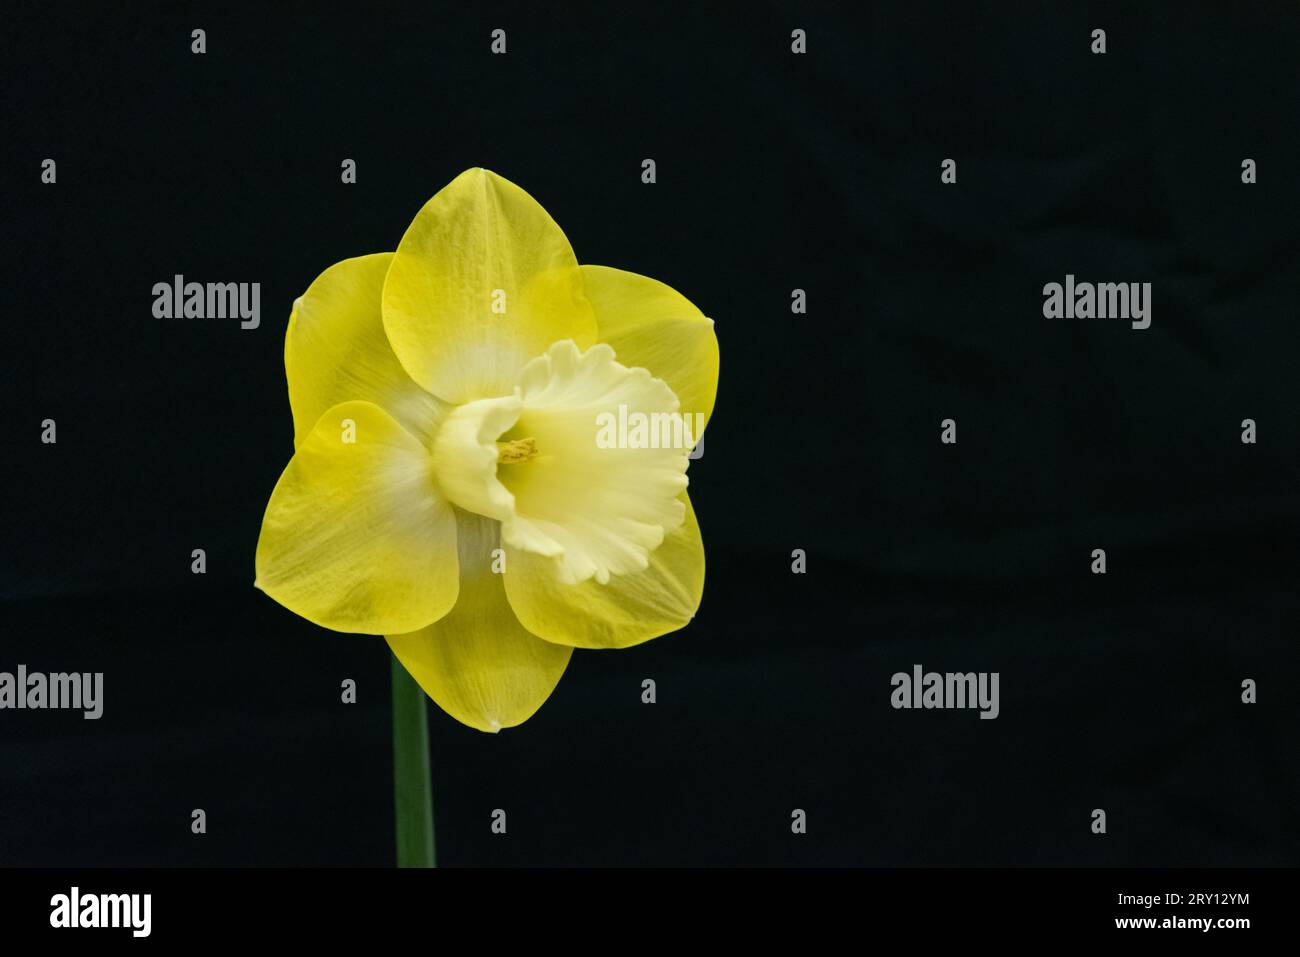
[{"x": 451, "y": 487}]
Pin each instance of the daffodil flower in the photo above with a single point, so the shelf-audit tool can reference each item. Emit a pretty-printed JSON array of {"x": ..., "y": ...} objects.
[{"x": 447, "y": 489}]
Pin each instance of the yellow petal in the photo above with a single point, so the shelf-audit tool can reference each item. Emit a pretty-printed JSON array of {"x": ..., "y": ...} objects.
[
  {"x": 630, "y": 609},
  {"x": 478, "y": 663},
  {"x": 483, "y": 281},
  {"x": 335, "y": 350},
  {"x": 356, "y": 537},
  {"x": 653, "y": 326}
]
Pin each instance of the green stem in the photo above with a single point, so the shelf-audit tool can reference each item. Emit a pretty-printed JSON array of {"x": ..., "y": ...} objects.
[{"x": 412, "y": 790}]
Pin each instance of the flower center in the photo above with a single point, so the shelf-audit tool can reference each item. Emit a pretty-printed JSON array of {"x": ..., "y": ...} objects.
[
  {"x": 516, "y": 451},
  {"x": 539, "y": 462}
]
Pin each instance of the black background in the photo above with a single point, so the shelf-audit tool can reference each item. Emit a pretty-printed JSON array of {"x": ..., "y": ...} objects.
[{"x": 775, "y": 172}]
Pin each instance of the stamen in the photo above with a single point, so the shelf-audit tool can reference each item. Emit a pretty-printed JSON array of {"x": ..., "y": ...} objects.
[{"x": 516, "y": 451}]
